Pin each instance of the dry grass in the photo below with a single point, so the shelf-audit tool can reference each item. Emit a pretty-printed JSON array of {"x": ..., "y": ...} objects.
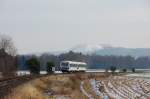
[
  {"x": 58, "y": 85},
  {"x": 26, "y": 91},
  {"x": 87, "y": 86}
]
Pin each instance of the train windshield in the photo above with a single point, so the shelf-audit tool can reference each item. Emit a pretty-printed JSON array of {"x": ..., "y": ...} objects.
[{"x": 64, "y": 64}]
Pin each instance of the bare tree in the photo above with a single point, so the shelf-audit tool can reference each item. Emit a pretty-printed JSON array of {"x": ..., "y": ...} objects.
[
  {"x": 7, "y": 45},
  {"x": 7, "y": 56}
]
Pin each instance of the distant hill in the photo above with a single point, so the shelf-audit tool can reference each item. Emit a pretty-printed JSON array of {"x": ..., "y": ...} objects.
[
  {"x": 109, "y": 50},
  {"x": 96, "y": 56}
]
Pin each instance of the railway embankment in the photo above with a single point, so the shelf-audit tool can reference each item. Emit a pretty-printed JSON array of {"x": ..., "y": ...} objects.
[{"x": 82, "y": 86}]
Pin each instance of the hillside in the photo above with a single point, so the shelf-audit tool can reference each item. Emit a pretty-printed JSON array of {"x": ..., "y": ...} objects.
[{"x": 103, "y": 50}]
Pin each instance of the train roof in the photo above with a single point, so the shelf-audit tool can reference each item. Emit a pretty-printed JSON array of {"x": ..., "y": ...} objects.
[{"x": 74, "y": 62}]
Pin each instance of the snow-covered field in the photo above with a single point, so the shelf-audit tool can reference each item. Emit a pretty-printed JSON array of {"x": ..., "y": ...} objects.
[
  {"x": 145, "y": 75},
  {"x": 118, "y": 87}
]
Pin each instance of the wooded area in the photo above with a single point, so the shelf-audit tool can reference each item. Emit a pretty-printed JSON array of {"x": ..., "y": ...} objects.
[{"x": 93, "y": 61}]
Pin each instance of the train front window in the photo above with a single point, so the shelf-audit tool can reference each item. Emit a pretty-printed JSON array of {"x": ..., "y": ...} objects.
[{"x": 64, "y": 64}]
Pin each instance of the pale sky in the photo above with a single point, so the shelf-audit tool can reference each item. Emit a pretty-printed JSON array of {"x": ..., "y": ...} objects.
[{"x": 55, "y": 25}]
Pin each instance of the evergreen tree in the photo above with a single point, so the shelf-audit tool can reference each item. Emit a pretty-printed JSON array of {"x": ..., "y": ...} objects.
[
  {"x": 50, "y": 65},
  {"x": 113, "y": 68},
  {"x": 33, "y": 65}
]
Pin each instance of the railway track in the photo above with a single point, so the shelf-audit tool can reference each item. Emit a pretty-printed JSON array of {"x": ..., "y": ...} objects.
[{"x": 8, "y": 84}]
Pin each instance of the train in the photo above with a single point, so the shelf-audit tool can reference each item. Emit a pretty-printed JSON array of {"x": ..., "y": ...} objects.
[{"x": 73, "y": 66}]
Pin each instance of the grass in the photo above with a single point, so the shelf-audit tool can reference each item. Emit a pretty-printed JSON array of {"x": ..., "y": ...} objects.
[
  {"x": 27, "y": 91},
  {"x": 87, "y": 86},
  {"x": 57, "y": 85}
]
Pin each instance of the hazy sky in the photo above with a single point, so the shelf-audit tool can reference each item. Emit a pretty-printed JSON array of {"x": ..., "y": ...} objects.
[{"x": 53, "y": 25}]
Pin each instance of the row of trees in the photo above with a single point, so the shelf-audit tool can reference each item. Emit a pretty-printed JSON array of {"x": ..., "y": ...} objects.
[
  {"x": 120, "y": 62},
  {"x": 97, "y": 61},
  {"x": 94, "y": 61},
  {"x": 34, "y": 66},
  {"x": 113, "y": 69}
]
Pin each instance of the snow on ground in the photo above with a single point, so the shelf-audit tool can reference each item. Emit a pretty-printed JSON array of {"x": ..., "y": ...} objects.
[{"x": 98, "y": 88}]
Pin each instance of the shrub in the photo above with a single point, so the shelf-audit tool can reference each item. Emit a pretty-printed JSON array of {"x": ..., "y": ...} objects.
[
  {"x": 133, "y": 70},
  {"x": 50, "y": 65},
  {"x": 113, "y": 68},
  {"x": 33, "y": 65},
  {"x": 124, "y": 70}
]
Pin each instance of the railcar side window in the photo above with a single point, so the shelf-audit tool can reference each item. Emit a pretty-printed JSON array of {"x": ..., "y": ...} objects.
[
  {"x": 82, "y": 65},
  {"x": 73, "y": 65}
]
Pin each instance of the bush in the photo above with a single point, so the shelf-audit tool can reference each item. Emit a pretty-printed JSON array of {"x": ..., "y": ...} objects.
[
  {"x": 50, "y": 65},
  {"x": 113, "y": 68},
  {"x": 124, "y": 70},
  {"x": 33, "y": 65},
  {"x": 133, "y": 70}
]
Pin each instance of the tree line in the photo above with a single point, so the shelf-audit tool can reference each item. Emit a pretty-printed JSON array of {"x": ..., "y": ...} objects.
[{"x": 93, "y": 61}]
